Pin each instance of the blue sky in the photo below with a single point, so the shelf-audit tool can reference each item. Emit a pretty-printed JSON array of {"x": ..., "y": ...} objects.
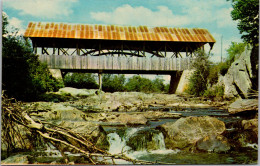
[{"x": 213, "y": 15}]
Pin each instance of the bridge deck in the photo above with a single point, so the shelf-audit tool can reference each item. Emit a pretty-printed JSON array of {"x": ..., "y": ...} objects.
[{"x": 115, "y": 64}]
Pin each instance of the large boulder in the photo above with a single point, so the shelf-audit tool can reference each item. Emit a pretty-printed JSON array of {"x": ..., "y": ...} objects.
[
  {"x": 185, "y": 132},
  {"x": 251, "y": 124},
  {"x": 238, "y": 80},
  {"x": 90, "y": 130},
  {"x": 58, "y": 111},
  {"x": 243, "y": 105},
  {"x": 127, "y": 119},
  {"x": 78, "y": 92}
]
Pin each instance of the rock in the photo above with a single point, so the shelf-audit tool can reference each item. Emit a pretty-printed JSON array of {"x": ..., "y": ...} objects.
[
  {"x": 68, "y": 91},
  {"x": 61, "y": 112},
  {"x": 158, "y": 114},
  {"x": 90, "y": 130},
  {"x": 237, "y": 81},
  {"x": 185, "y": 132},
  {"x": 243, "y": 105},
  {"x": 17, "y": 159},
  {"x": 213, "y": 144},
  {"x": 251, "y": 124},
  {"x": 148, "y": 140},
  {"x": 128, "y": 119}
]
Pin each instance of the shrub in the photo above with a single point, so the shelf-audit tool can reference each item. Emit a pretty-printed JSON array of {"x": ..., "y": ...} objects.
[
  {"x": 24, "y": 77},
  {"x": 199, "y": 78},
  {"x": 113, "y": 83},
  {"x": 216, "y": 91},
  {"x": 80, "y": 80}
]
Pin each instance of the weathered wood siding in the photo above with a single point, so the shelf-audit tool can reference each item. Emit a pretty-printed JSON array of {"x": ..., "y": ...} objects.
[{"x": 115, "y": 63}]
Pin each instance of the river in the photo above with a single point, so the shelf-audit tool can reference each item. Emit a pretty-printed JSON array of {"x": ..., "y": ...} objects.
[{"x": 146, "y": 142}]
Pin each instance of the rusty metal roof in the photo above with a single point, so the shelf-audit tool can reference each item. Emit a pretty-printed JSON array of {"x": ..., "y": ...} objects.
[{"x": 114, "y": 32}]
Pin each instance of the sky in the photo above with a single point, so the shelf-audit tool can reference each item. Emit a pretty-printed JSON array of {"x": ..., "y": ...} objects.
[{"x": 213, "y": 15}]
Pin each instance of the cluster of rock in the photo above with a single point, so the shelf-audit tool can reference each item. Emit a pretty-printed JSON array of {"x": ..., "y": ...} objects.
[
  {"x": 240, "y": 77},
  {"x": 94, "y": 109}
]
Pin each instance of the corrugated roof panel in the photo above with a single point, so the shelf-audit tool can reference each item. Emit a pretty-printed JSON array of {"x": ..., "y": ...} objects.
[
  {"x": 118, "y": 36},
  {"x": 109, "y": 35},
  {"x": 112, "y": 27},
  {"x": 117, "y": 29},
  {"x": 122, "y": 35},
  {"x": 157, "y": 37},
  {"x": 112, "y": 32},
  {"x": 127, "y": 35},
  {"x": 145, "y": 29}
]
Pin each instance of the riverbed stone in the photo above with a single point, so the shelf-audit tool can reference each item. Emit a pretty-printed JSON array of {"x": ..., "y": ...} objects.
[
  {"x": 90, "y": 130},
  {"x": 128, "y": 119},
  {"x": 59, "y": 111},
  {"x": 213, "y": 143},
  {"x": 185, "y": 132},
  {"x": 16, "y": 159},
  {"x": 241, "y": 105},
  {"x": 78, "y": 92},
  {"x": 251, "y": 124}
]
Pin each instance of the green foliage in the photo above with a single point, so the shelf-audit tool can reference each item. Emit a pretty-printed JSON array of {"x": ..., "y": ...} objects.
[
  {"x": 246, "y": 12},
  {"x": 216, "y": 91},
  {"x": 234, "y": 51},
  {"x": 199, "y": 78},
  {"x": 113, "y": 83},
  {"x": 23, "y": 76},
  {"x": 80, "y": 80},
  {"x": 223, "y": 68},
  {"x": 139, "y": 84}
]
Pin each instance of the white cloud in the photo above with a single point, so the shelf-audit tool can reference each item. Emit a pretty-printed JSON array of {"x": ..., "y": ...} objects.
[
  {"x": 128, "y": 15},
  {"x": 16, "y": 23},
  {"x": 42, "y": 8},
  {"x": 194, "y": 13}
]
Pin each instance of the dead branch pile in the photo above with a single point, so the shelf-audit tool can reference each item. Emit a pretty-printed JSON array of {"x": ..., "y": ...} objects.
[{"x": 13, "y": 114}]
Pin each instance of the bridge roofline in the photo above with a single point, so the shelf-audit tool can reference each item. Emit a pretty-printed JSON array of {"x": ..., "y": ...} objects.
[{"x": 65, "y": 35}]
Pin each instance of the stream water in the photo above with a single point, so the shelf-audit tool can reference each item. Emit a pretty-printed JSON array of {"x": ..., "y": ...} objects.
[{"x": 147, "y": 143}]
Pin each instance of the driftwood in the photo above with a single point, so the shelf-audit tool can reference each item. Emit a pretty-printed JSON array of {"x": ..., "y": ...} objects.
[{"x": 12, "y": 114}]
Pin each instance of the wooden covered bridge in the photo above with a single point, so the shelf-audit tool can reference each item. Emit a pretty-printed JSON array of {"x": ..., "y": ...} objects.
[{"x": 117, "y": 49}]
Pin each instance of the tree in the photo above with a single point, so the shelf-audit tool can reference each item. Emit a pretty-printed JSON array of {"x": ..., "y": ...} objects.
[
  {"x": 246, "y": 12},
  {"x": 81, "y": 80},
  {"x": 23, "y": 76},
  {"x": 234, "y": 50},
  {"x": 199, "y": 79},
  {"x": 113, "y": 83}
]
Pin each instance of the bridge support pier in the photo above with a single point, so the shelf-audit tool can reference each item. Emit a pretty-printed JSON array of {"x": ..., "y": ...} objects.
[
  {"x": 175, "y": 79},
  {"x": 100, "y": 81}
]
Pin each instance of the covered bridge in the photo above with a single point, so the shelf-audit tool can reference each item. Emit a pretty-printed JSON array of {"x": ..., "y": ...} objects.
[{"x": 131, "y": 50}]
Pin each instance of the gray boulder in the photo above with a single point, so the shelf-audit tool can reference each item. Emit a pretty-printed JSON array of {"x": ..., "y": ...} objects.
[
  {"x": 238, "y": 80},
  {"x": 243, "y": 105},
  {"x": 185, "y": 132},
  {"x": 77, "y": 92}
]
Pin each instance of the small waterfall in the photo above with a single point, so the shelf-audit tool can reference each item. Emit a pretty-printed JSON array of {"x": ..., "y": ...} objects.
[
  {"x": 117, "y": 144},
  {"x": 159, "y": 138},
  {"x": 136, "y": 140}
]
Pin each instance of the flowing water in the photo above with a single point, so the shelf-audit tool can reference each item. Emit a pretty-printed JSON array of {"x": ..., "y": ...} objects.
[{"x": 147, "y": 143}]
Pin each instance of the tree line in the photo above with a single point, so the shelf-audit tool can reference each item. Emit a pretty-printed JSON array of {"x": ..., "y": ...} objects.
[{"x": 116, "y": 83}]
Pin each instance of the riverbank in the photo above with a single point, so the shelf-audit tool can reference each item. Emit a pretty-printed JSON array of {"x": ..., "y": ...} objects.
[{"x": 131, "y": 117}]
